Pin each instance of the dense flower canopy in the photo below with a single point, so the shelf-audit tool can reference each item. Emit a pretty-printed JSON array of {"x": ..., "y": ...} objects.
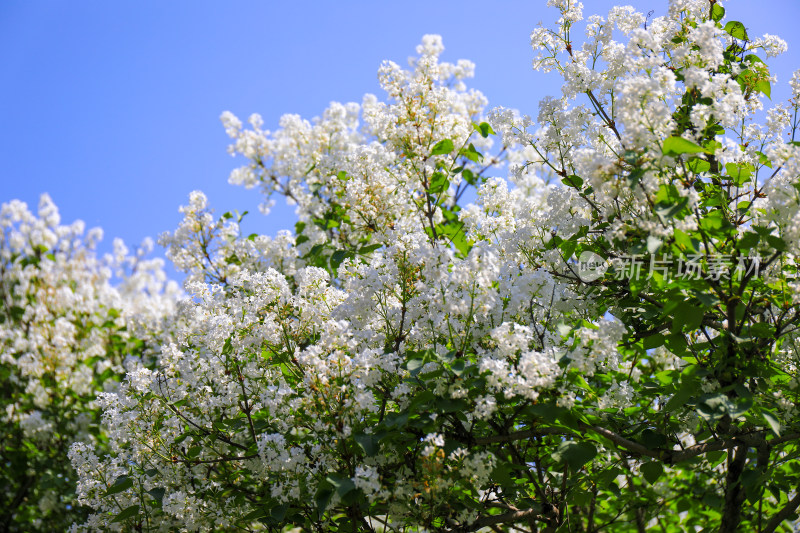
[
  {"x": 587, "y": 321},
  {"x": 67, "y": 330}
]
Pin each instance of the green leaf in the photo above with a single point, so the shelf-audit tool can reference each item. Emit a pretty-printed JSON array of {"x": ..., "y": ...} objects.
[
  {"x": 653, "y": 341},
  {"x": 484, "y": 128},
  {"x": 715, "y": 405},
  {"x": 762, "y": 330},
  {"x": 129, "y": 512},
  {"x": 764, "y": 87},
  {"x": 574, "y": 454},
  {"x": 342, "y": 484},
  {"x": 679, "y": 145},
  {"x": 342, "y": 175},
  {"x": 415, "y": 365},
  {"x": 752, "y": 58},
  {"x": 16, "y": 312},
  {"x": 439, "y": 183},
  {"x": 471, "y": 153},
  {"x": 739, "y": 173},
  {"x": 468, "y": 176},
  {"x": 747, "y": 241},
  {"x": 278, "y": 512},
  {"x": 157, "y": 494},
  {"x": 449, "y": 357},
  {"x": 227, "y": 348},
  {"x": 568, "y": 248},
  {"x": 684, "y": 242},
  {"x": 763, "y": 159},
  {"x": 364, "y": 250},
  {"x": 713, "y": 500},
  {"x": 715, "y": 220},
  {"x": 698, "y": 165},
  {"x": 323, "y": 497},
  {"x": 668, "y": 210},
  {"x": 762, "y": 231},
  {"x": 634, "y": 177},
  {"x": 681, "y": 396},
  {"x": 716, "y": 457},
  {"x": 653, "y": 439},
  {"x": 454, "y": 232},
  {"x": 545, "y": 411},
  {"x": 776, "y": 242},
  {"x": 736, "y": 30},
  {"x": 502, "y": 475},
  {"x": 707, "y": 299},
  {"x": 315, "y": 251},
  {"x": 445, "y": 146},
  {"x": 194, "y": 452},
  {"x": 772, "y": 420},
  {"x": 450, "y": 405},
  {"x": 652, "y": 471},
  {"x": 339, "y": 256},
  {"x": 254, "y": 515},
  {"x": 717, "y": 12},
  {"x": 368, "y": 443},
  {"x": 573, "y": 181},
  {"x": 684, "y": 504},
  {"x": 687, "y": 314},
  {"x": 122, "y": 483},
  {"x": 396, "y": 420}
]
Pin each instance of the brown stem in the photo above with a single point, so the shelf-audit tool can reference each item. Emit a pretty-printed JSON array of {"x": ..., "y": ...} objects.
[
  {"x": 734, "y": 492},
  {"x": 519, "y": 435},
  {"x": 509, "y": 517},
  {"x": 592, "y": 508}
]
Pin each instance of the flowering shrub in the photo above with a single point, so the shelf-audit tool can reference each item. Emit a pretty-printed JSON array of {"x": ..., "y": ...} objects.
[
  {"x": 65, "y": 333},
  {"x": 604, "y": 339}
]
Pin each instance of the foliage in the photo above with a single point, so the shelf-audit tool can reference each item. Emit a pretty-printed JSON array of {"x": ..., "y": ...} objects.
[{"x": 605, "y": 340}]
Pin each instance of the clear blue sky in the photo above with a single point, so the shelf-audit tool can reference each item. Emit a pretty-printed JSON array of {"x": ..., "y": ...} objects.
[{"x": 113, "y": 107}]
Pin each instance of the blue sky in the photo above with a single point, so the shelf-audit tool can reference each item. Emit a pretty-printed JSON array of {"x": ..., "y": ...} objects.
[{"x": 113, "y": 107}]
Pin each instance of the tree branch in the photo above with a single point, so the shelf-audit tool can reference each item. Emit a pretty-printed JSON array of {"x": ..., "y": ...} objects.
[
  {"x": 516, "y": 515},
  {"x": 783, "y": 514},
  {"x": 734, "y": 492},
  {"x": 519, "y": 435},
  {"x": 629, "y": 445}
]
